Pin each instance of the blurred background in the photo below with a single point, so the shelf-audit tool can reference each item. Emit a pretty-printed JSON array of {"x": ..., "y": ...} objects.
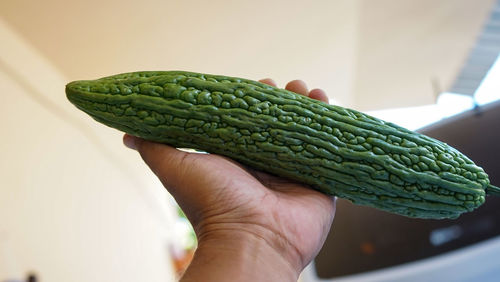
[{"x": 76, "y": 205}]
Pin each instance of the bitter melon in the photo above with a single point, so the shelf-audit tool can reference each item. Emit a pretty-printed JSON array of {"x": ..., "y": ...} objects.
[{"x": 335, "y": 150}]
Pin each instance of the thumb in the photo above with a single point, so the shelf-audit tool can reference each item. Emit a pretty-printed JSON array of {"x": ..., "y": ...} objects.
[
  {"x": 162, "y": 159},
  {"x": 182, "y": 174}
]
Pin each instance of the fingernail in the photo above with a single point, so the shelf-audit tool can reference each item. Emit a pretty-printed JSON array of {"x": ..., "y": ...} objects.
[
  {"x": 129, "y": 141},
  {"x": 268, "y": 81},
  {"x": 319, "y": 94}
]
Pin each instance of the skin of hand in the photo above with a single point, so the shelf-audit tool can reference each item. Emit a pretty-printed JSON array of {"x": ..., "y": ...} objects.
[{"x": 251, "y": 226}]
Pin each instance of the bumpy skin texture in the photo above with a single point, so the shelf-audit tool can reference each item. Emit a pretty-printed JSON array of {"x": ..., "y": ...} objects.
[{"x": 335, "y": 150}]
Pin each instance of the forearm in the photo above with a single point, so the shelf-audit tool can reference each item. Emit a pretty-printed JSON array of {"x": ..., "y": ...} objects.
[{"x": 238, "y": 259}]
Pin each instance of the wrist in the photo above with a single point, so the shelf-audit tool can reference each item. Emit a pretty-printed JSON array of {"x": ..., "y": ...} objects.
[{"x": 240, "y": 256}]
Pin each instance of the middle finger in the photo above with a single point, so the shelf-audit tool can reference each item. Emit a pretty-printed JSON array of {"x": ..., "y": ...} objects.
[{"x": 297, "y": 86}]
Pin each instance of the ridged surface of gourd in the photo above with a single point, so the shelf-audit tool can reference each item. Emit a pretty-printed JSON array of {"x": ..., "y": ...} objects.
[{"x": 335, "y": 150}]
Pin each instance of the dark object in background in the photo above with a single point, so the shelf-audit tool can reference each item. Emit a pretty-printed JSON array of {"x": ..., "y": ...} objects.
[
  {"x": 364, "y": 239},
  {"x": 31, "y": 278}
]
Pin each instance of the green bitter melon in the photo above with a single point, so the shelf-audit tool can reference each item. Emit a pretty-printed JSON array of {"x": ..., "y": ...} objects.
[{"x": 335, "y": 150}]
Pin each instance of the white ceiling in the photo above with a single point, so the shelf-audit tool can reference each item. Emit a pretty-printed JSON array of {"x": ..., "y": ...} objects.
[
  {"x": 413, "y": 49},
  {"x": 367, "y": 54}
]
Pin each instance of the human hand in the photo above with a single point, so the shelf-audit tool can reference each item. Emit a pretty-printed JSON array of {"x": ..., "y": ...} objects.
[{"x": 251, "y": 226}]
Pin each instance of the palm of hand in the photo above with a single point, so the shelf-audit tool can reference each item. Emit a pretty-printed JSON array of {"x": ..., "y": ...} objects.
[{"x": 234, "y": 198}]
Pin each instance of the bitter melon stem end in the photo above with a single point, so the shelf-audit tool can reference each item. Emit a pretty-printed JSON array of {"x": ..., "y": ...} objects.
[{"x": 493, "y": 190}]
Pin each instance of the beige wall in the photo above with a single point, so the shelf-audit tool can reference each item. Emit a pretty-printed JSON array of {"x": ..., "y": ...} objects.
[
  {"x": 312, "y": 40},
  {"x": 75, "y": 205}
]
